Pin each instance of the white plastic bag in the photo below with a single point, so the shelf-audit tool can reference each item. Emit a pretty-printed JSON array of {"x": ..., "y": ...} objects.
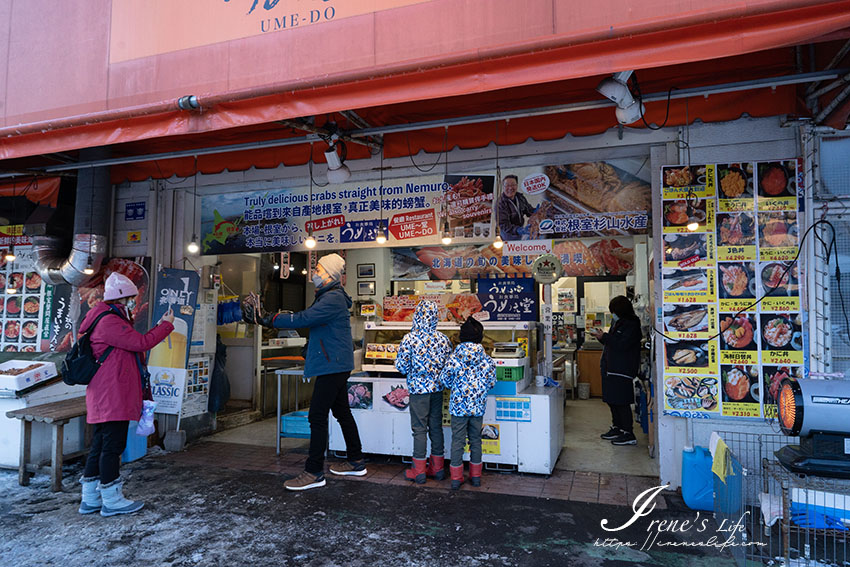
[{"x": 146, "y": 426}]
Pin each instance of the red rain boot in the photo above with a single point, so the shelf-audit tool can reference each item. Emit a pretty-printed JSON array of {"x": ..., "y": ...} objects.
[
  {"x": 416, "y": 472},
  {"x": 475, "y": 473},
  {"x": 436, "y": 468},
  {"x": 457, "y": 476}
]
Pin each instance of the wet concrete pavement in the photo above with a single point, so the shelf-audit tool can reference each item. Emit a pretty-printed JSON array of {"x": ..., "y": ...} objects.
[{"x": 219, "y": 516}]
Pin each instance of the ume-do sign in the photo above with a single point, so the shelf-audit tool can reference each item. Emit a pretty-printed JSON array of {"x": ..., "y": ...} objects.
[{"x": 547, "y": 269}]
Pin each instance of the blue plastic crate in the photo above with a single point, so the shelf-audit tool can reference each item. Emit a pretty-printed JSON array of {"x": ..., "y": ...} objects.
[{"x": 295, "y": 424}]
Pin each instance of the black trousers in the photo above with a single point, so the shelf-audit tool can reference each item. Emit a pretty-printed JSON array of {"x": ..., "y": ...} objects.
[
  {"x": 331, "y": 394},
  {"x": 108, "y": 442},
  {"x": 621, "y": 417}
]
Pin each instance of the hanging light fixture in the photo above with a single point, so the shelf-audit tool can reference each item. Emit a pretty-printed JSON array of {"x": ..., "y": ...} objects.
[
  {"x": 10, "y": 253},
  {"x": 89, "y": 269},
  {"x": 693, "y": 220},
  {"x": 311, "y": 240},
  {"x": 447, "y": 236},
  {"x": 304, "y": 271},
  {"x": 497, "y": 243},
  {"x": 381, "y": 236},
  {"x": 338, "y": 172},
  {"x": 193, "y": 247}
]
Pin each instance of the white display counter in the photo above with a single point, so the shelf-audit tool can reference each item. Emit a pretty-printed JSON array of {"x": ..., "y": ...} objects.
[{"x": 529, "y": 426}]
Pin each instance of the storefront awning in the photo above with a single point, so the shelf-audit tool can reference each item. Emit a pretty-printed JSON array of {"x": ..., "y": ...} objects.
[{"x": 580, "y": 45}]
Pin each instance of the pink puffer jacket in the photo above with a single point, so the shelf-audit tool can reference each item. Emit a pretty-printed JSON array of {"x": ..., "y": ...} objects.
[{"x": 115, "y": 392}]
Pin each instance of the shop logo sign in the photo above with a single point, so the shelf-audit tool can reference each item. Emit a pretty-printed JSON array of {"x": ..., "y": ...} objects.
[{"x": 547, "y": 226}]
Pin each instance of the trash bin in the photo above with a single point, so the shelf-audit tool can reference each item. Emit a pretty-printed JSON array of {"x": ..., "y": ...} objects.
[{"x": 584, "y": 390}]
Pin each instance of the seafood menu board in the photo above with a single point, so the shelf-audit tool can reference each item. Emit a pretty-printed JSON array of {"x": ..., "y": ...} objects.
[
  {"x": 731, "y": 308},
  {"x": 22, "y": 313}
]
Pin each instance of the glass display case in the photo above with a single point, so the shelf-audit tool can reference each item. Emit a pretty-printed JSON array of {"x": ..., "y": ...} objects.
[{"x": 381, "y": 340}]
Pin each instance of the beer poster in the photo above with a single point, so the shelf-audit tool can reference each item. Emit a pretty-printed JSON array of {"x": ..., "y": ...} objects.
[{"x": 176, "y": 290}]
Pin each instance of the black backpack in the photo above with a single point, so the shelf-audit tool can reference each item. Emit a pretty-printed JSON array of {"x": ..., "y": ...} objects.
[{"x": 80, "y": 365}]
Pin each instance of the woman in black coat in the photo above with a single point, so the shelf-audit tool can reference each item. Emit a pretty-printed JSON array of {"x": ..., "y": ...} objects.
[{"x": 620, "y": 364}]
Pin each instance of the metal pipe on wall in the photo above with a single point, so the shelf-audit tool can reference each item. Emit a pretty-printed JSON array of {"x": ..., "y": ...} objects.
[{"x": 91, "y": 229}]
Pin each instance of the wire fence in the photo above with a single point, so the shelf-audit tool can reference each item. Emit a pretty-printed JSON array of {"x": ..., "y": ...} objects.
[{"x": 785, "y": 518}]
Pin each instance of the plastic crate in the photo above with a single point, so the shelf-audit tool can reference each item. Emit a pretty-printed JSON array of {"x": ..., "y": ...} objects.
[
  {"x": 509, "y": 373},
  {"x": 295, "y": 424}
]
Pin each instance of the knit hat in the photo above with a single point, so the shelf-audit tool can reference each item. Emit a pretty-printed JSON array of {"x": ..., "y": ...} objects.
[
  {"x": 118, "y": 286},
  {"x": 334, "y": 265},
  {"x": 471, "y": 331}
]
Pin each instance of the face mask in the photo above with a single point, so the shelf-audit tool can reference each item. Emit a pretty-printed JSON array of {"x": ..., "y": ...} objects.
[
  {"x": 131, "y": 305},
  {"x": 615, "y": 317},
  {"x": 317, "y": 280}
]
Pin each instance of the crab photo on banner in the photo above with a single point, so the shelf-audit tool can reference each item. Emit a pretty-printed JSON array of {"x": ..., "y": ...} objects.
[
  {"x": 579, "y": 257},
  {"x": 69, "y": 305},
  {"x": 601, "y": 198}
]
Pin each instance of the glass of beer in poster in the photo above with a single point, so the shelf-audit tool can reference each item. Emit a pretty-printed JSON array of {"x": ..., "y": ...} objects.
[{"x": 171, "y": 353}]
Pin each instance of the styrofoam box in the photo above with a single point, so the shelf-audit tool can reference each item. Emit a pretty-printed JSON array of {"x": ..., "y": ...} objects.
[{"x": 45, "y": 371}]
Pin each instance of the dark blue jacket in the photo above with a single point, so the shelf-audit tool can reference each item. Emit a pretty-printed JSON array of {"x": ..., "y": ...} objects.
[
  {"x": 620, "y": 361},
  {"x": 330, "y": 348}
]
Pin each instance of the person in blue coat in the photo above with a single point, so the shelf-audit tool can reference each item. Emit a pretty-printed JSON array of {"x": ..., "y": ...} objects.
[{"x": 330, "y": 358}]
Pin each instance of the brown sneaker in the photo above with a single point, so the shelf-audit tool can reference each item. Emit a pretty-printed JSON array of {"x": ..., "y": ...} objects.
[
  {"x": 348, "y": 468},
  {"x": 305, "y": 481}
]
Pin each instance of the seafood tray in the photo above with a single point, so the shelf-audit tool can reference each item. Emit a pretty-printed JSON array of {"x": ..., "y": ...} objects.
[{"x": 19, "y": 374}]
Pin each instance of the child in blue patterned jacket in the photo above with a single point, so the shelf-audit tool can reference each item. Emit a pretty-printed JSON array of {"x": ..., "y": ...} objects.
[
  {"x": 421, "y": 356},
  {"x": 469, "y": 374}
]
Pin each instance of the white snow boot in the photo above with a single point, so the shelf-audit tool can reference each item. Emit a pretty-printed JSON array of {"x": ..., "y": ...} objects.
[
  {"x": 91, "y": 501},
  {"x": 114, "y": 501}
]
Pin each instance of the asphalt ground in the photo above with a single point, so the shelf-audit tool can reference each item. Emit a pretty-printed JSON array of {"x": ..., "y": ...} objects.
[{"x": 204, "y": 515}]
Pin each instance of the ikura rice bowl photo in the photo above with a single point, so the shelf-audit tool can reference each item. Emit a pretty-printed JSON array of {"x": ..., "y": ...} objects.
[
  {"x": 779, "y": 278},
  {"x": 777, "y": 230},
  {"x": 777, "y": 179},
  {"x": 738, "y": 382},
  {"x": 13, "y": 306}
]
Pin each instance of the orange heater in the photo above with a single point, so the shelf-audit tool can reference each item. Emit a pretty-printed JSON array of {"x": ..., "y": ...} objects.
[{"x": 818, "y": 411}]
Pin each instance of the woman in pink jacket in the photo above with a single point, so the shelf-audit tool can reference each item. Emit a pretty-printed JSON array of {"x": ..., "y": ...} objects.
[{"x": 114, "y": 395}]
